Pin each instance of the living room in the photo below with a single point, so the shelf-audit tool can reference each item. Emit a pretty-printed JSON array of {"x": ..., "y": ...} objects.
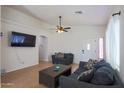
[{"x": 85, "y": 40}]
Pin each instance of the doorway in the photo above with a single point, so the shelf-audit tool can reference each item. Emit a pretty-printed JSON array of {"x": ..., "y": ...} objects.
[
  {"x": 93, "y": 48},
  {"x": 90, "y": 49},
  {"x": 43, "y": 49}
]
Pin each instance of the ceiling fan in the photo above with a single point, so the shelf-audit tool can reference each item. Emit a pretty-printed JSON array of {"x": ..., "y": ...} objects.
[{"x": 60, "y": 28}]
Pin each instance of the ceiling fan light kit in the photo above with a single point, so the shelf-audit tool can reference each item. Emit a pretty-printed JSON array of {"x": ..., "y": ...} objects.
[{"x": 60, "y": 31}]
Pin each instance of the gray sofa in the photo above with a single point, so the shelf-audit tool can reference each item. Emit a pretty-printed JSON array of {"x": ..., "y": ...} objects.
[
  {"x": 66, "y": 60},
  {"x": 72, "y": 82}
]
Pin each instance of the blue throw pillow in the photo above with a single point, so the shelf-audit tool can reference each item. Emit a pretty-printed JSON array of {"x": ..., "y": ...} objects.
[{"x": 103, "y": 76}]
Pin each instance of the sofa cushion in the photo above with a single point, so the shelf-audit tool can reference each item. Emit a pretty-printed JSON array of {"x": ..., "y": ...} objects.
[
  {"x": 86, "y": 75},
  {"x": 79, "y": 71},
  {"x": 68, "y": 55},
  {"x": 103, "y": 76},
  {"x": 74, "y": 76}
]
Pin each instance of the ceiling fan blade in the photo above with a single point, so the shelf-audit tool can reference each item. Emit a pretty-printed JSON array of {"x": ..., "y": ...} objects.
[{"x": 67, "y": 28}]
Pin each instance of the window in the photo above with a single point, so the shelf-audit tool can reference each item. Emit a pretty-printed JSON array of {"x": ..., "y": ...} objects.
[
  {"x": 88, "y": 46},
  {"x": 112, "y": 42}
]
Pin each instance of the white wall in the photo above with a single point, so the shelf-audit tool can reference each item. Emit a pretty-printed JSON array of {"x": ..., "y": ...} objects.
[
  {"x": 74, "y": 40},
  {"x": 0, "y": 47},
  {"x": 122, "y": 43},
  {"x": 14, "y": 58}
]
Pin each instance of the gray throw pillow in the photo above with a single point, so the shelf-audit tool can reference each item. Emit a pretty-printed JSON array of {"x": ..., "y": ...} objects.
[
  {"x": 59, "y": 55},
  {"x": 86, "y": 75},
  {"x": 90, "y": 64}
]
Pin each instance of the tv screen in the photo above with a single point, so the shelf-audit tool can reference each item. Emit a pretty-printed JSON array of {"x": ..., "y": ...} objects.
[{"x": 22, "y": 40}]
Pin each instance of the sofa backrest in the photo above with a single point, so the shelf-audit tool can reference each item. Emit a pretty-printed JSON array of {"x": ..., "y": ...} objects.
[{"x": 68, "y": 55}]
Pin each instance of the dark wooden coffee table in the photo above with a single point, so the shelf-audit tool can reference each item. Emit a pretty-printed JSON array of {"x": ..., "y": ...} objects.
[{"x": 50, "y": 77}]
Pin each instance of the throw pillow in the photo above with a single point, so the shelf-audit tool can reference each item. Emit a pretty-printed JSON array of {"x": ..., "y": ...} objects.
[
  {"x": 90, "y": 64},
  {"x": 86, "y": 75},
  {"x": 103, "y": 76},
  {"x": 95, "y": 61}
]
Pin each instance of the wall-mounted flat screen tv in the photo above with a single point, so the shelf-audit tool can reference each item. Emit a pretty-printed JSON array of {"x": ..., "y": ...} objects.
[{"x": 22, "y": 40}]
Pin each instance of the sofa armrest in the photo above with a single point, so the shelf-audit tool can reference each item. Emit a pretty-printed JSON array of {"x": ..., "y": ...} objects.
[
  {"x": 53, "y": 59},
  {"x": 66, "y": 82},
  {"x": 53, "y": 56}
]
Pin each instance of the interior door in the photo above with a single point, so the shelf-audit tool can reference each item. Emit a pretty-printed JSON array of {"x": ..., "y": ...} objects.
[{"x": 90, "y": 49}]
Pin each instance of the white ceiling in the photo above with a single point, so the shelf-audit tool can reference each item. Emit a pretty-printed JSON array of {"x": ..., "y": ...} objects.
[{"x": 92, "y": 14}]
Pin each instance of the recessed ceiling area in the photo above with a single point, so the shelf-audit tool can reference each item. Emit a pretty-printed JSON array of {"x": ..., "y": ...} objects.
[{"x": 91, "y": 14}]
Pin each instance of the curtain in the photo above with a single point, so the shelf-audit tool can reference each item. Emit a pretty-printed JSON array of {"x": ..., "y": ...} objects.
[{"x": 112, "y": 42}]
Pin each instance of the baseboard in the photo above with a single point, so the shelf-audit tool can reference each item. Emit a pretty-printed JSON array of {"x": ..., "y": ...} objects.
[{"x": 44, "y": 61}]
